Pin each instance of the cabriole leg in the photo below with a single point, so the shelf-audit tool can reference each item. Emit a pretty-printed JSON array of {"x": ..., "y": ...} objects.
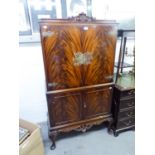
[{"x": 53, "y": 136}]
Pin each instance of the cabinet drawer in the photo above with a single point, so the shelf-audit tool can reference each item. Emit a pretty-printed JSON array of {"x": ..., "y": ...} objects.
[
  {"x": 127, "y": 103},
  {"x": 126, "y": 122},
  {"x": 128, "y": 93},
  {"x": 127, "y": 113}
]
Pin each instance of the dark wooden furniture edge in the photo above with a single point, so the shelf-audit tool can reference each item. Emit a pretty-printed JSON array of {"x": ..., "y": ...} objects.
[{"x": 124, "y": 89}]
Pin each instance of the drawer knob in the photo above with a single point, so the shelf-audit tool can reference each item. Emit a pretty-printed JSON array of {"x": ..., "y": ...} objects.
[
  {"x": 130, "y": 114},
  {"x": 130, "y": 92},
  {"x": 130, "y": 103},
  {"x": 128, "y": 123}
]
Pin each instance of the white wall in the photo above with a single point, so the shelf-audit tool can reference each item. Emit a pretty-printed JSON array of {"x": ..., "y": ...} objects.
[{"x": 32, "y": 106}]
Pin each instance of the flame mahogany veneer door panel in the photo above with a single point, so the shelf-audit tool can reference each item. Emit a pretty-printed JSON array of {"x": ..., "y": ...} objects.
[
  {"x": 97, "y": 102},
  {"x": 78, "y": 54},
  {"x": 64, "y": 108}
]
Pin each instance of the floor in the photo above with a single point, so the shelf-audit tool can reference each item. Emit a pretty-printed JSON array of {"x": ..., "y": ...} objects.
[{"x": 93, "y": 142}]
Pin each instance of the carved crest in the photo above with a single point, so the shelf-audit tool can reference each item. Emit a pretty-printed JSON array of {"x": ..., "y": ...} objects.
[{"x": 82, "y": 17}]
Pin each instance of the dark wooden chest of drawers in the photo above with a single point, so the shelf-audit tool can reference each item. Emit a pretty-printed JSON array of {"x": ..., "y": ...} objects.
[{"x": 123, "y": 109}]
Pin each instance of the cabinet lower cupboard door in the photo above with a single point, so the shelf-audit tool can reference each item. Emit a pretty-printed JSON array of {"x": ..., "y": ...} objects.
[
  {"x": 64, "y": 108},
  {"x": 96, "y": 102},
  {"x": 72, "y": 107}
]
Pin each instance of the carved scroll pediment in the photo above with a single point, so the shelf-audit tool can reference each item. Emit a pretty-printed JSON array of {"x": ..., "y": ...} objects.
[{"x": 82, "y": 17}]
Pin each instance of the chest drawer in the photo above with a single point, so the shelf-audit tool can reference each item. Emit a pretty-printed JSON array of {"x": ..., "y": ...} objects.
[
  {"x": 127, "y": 93},
  {"x": 127, "y": 103},
  {"x": 126, "y": 123},
  {"x": 127, "y": 113}
]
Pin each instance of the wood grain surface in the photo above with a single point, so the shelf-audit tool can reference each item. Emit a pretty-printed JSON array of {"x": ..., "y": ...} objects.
[{"x": 78, "y": 55}]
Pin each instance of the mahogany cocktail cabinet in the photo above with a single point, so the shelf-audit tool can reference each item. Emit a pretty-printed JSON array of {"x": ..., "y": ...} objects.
[{"x": 78, "y": 56}]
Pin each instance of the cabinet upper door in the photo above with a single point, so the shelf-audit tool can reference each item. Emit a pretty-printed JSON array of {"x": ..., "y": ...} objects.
[{"x": 78, "y": 54}]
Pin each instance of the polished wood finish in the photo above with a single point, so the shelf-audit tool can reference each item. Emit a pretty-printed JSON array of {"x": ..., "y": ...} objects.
[
  {"x": 74, "y": 106},
  {"x": 79, "y": 61}
]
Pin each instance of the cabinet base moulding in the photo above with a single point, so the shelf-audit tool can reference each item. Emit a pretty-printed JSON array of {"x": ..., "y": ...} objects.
[{"x": 81, "y": 126}]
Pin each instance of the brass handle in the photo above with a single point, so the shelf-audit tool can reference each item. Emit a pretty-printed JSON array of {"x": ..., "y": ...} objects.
[{"x": 128, "y": 123}]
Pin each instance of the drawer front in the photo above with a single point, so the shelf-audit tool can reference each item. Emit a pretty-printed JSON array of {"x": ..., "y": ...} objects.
[
  {"x": 128, "y": 93},
  {"x": 130, "y": 113},
  {"x": 127, "y": 103},
  {"x": 125, "y": 123}
]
